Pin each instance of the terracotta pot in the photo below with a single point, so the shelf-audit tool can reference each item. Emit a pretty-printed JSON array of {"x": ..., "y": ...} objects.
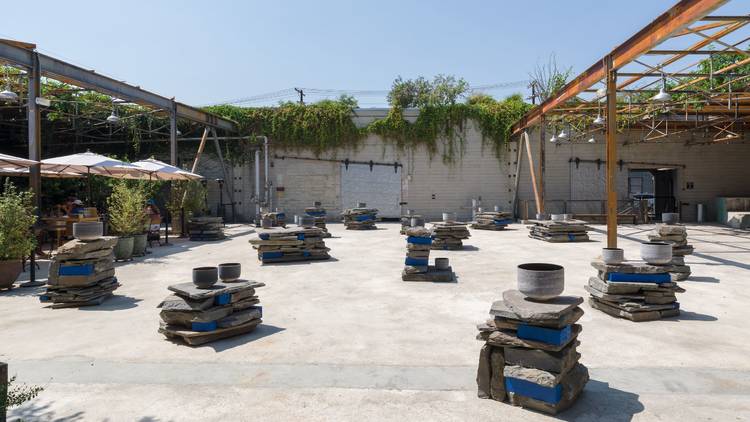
[
  {"x": 123, "y": 249},
  {"x": 613, "y": 256},
  {"x": 541, "y": 281},
  {"x": 205, "y": 277},
  {"x": 9, "y": 272},
  {"x": 230, "y": 271}
]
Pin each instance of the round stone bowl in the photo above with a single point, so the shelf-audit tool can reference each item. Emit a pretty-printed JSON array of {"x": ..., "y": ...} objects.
[
  {"x": 557, "y": 217},
  {"x": 656, "y": 253},
  {"x": 361, "y": 205},
  {"x": 417, "y": 222},
  {"x": 480, "y": 209},
  {"x": 230, "y": 271},
  {"x": 497, "y": 208},
  {"x": 205, "y": 277},
  {"x": 449, "y": 216},
  {"x": 567, "y": 217},
  {"x": 306, "y": 221},
  {"x": 442, "y": 263},
  {"x": 670, "y": 217},
  {"x": 613, "y": 256},
  {"x": 316, "y": 204},
  {"x": 88, "y": 230},
  {"x": 540, "y": 281},
  {"x": 541, "y": 216}
]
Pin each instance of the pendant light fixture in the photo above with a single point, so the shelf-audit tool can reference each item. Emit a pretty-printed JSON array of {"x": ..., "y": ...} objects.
[
  {"x": 592, "y": 140},
  {"x": 113, "y": 118},
  {"x": 663, "y": 96}
]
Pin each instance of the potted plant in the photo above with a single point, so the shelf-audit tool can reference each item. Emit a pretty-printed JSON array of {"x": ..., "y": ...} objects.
[
  {"x": 17, "y": 216},
  {"x": 185, "y": 195},
  {"x": 126, "y": 216}
]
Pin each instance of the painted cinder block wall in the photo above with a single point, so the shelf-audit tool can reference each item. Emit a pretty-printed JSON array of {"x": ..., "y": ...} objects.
[{"x": 431, "y": 186}]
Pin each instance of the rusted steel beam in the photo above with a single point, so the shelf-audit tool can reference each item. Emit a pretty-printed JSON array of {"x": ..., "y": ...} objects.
[
  {"x": 690, "y": 52},
  {"x": 726, "y": 18},
  {"x": 675, "y": 19},
  {"x": 611, "y": 131}
]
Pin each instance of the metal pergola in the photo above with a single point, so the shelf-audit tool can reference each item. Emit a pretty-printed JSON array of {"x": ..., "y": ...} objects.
[{"x": 661, "y": 92}]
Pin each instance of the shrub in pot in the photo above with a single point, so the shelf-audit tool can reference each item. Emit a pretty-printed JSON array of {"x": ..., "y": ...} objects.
[
  {"x": 16, "y": 239},
  {"x": 126, "y": 216}
]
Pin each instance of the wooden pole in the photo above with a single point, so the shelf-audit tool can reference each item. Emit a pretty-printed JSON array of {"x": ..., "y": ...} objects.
[
  {"x": 542, "y": 160},
  {"x": 532, "y": 171},
  {"x": 200, "y": 149},
  {"x": 519, "y": 156},
  {"x": 611, "y": 153}
]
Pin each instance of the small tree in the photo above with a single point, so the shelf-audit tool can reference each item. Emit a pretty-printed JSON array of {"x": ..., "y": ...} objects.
[
  {"x": 16, "y": 218},
  {"x": 125, "y": 207},
  {"x": 16, "y": 395},
  {"x": 547, "y": 79}
]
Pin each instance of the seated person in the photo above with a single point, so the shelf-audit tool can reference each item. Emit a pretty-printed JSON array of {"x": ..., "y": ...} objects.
[
  {"x": 76, "y": 208},
  {"x": 154, "y": 216}
]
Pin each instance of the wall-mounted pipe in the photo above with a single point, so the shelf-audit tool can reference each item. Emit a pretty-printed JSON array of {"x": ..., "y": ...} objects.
[{"x": 257, "y": 186}]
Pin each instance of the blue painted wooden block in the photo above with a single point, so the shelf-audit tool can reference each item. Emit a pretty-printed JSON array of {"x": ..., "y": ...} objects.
[
  {"x": 305, "y": 253},
  {"x": 271, "y": 255},
  {"x": 529, "y": 389},
  {"x": 203, "y": 326},
  {"x": 503, "y": 222},
  {"x": 223, "y": 299},
  {"x": 640, "y": 278},
  {"x": 280, "y": 215},
  {"x": 545, "y": 335},
  {"x": 83, "y": 269},
  {"x": 44, "y": 298},
  {"x": 417, "y": 262},
  {"x": 365, "y": 218},
  {"x": 571, "y": 237},
  {"x": 316, "y": 213},
  {"x": 300, "y": 236},
  {"x": 264, "y": 236},
  {"x": 419, "y": 240}
]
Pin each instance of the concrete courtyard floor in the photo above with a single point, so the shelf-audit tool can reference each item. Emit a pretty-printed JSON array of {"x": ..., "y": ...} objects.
[{"x": 346, "y": 339}]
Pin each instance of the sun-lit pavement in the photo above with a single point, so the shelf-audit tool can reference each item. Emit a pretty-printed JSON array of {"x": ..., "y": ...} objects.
[{"x": 346, "y": 339}]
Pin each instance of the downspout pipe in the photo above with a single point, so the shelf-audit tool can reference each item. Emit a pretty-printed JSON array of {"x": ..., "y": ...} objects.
[
  {"x": 265, "y": 163},
  {"x": 257, "y": 186}
]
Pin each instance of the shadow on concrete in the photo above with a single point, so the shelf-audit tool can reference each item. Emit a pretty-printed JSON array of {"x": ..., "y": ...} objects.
[
  {"x": 600, "y": 402},
  {"x": 22, "y": 291},
  {"x": 263, "y": 330},
  {"x": 722, "y": 261},
  {"x": 38, "y": 412},
  {"x": 284, "y": 264},
  {"x": 703, "y": 279},
  {"x": 115, "y": 303},
  {"x": 468, "y": 248},
  {"x": 691, "y": 316}
]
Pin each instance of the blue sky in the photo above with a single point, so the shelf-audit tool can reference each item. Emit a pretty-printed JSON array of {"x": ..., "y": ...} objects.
[{"x": 209, "y": 52}]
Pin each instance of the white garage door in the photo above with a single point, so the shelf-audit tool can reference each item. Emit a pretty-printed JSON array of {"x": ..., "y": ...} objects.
[{"x": 379, "y": 188}]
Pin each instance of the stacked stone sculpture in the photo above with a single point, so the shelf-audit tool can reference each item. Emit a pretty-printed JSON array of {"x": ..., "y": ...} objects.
[
  {"x": 406, "y": 220},
  {"x": 559, "y": 231},
  {"x": 290, "y": 244},
  {"x": 530, "y": 355},
  {"x": 206, "y": 228},
  {"x": 81, "y": 273},
  {"x": 676, "y": 234},
  {"x": 491, "y": 220},
  {"x": 449, "y": 235},
  {"x": 417, "y": 263},
  {"x": 198, "y": 316},
  {"x": 277, "y": 218},
  {"x": 318, "y": 213},
  {"x": 635, "y": 291},
  {"x": 360, "y": 217}
]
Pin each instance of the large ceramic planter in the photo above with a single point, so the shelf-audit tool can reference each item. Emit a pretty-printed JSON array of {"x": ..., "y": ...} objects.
[
  {"x": 230, "y": 271},
  {"x": 541, "y": 281},
  {"x": 670, "y": 217},
  {"x": 123, "y": 249},
  {"x": 613, "y": 256},
  {"x": 656, "y": 253},
  {"x": 449, "y": 217},
  {"x": 205, "y": 277},
  {"x": 9, "y": 272},
  {"x": 140, "y": 241},
  {"x": 88, "y": 230}
]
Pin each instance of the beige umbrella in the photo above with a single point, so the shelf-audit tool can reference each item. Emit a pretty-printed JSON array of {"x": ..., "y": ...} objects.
[
  {"x": 5, "y": 171},
  {"x": 11, "y": 162},
  {"x": 158, "y": 170}
]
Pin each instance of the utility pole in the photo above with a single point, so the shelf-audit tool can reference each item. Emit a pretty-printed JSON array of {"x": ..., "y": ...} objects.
[{"x": 301, "y": 95}]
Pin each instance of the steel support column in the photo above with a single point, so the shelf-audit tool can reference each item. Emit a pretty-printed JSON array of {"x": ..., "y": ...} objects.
[
  {"x": 611, "y": 153},
  {"x": 35, "y": 130},
  {"x": 173, "y": 134}
]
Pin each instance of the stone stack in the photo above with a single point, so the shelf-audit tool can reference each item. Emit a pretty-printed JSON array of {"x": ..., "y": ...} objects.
[
  {"x": 290, "y": 244},
  {"x": 559, "y": 231},
  {"x": 81, "y": 273},
  {"x": 206, "y": 228},
  {"x": 277, "y": 218},
  {"x": 449, "y": 235},
  {"x": 406, "y": 220},
  {"x": 530, "y": 355},
  {"x": 634, "y": 291},
  {"x": 199, "y": 316},
  {"x": 360, "y": 218},
  {"x": 676, "y": 234},
  {"x": 492, "y": 220},
  {"x": 318, "y": 213}
]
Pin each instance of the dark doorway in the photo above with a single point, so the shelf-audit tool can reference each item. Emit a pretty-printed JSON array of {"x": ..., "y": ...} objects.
[
  {"x": 652, "y": 191},
  {"x": 664, "y": 200}
]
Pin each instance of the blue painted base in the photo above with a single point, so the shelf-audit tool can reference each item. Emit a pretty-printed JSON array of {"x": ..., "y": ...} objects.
[
  {"x": 223, "y": 299},
  {"x": 264, "y": 236},
  {"x": 271, "y": 255},
  {"x": 640, "y": 278},
  {"x": 84, "y": 269},
  {"x": 419, "y": 240},
  {"x": 525, "y": 388},
  {"x": 203, "y": 326},
  {"x": 417, "y": 262},
  {"x": 365, "y": 217},
  {"x": 544, "y": 335}
]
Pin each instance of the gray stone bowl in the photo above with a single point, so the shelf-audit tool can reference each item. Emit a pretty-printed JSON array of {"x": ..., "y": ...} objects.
[
  {"x": 449, "y": 216},
  {"x": 442, "y": 263},
  {"x": 670, "y": 217},
  {"x": 656, "y": 253},
  {"x": 613, "y": 256},
  {"x": 541, "y": 216},
  {"x": 497, "y": 208},
  {"x": 557, "y": 217},
  {"x": 567, "y": 217},
  {"x": 541, "y": 281},
  {"x": 361, "y": 205},
  {"x": 88, "y": 230},
  {"x": 316, "y": 204},
  {"x": 205, "y": 277},
  {"x": 230, "y": 271},
  {"x": 417, "y": 222}
]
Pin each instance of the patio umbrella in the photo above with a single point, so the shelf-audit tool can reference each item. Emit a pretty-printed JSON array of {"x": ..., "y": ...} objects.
[
  {"x": 8, "y": 171},
  {"x": 158, "y": 170},
  {"x": 11, "y": 162},
  {"x": 88, "y": 163}
]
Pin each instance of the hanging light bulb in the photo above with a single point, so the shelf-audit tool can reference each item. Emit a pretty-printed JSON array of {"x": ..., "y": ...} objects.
[
  {"x": 8, "y": 95},
  {"x": 592, "y": 140},
  {"x": 179, "y": 133},
  {"x": 113, "y": 118},
  {"x": 663, "y": 96},
  {"x": 563, "y": 134},
  {"x": 599, "y": 120},
  {"x": 553, "y": 139}
]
